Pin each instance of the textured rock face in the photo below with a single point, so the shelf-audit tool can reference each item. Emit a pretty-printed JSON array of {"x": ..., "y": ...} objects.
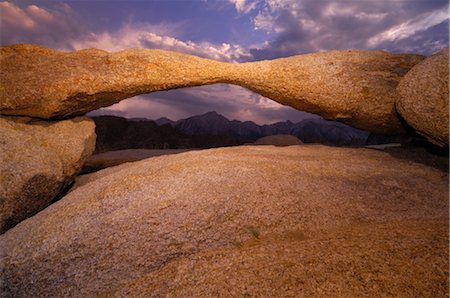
[
  {"x": 357, "y": 87},
  {"x": 130, "y": 227},
  {"x": 41, "y": 82},
  {"x": 38, "y": 160},
  {"x": 423, "y": 98}
]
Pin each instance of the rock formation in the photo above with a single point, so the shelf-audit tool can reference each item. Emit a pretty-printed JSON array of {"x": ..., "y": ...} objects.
[
  {"x": 41, "y": 82},
  {"x": 38, "y": 159},
  {"x": 423, "y": 100},
  {"x": 356, "y": 87},
  {"x": 352, "y": 218}
]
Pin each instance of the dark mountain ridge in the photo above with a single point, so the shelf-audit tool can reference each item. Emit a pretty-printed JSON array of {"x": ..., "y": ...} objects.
[{"x": 214, "y": 130}]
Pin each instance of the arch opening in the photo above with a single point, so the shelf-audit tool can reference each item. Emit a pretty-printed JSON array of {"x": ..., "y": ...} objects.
[{"x": 210, "y": 116}]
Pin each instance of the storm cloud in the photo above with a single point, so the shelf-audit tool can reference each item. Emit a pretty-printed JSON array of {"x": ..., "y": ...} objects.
[
  {"x": 230, "y": 31},
  {"x": 311, "y": 26}
]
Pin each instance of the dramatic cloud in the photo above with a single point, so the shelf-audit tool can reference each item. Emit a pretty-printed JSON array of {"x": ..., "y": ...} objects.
[
  {"x": 231, "y": 101},
  {"x": 144, "y": 36},
  {"x": 311, "y": 26},
  {"x": 410, "y": 27},
  {"x": 33, "y": 24},
  {"x": 60, "y": 28},
  {"x": 279, "y": 28},
  {"x": 244, "y": 6}
]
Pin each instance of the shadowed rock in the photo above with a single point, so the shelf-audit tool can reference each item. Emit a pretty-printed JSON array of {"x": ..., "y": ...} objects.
[
  {"x": 356, "y": 87},
  {"x": 113, "y": 158},
  {"x": 38, "y": 159},
  {"x": 423, "y": 98},
  {"x": 279, "y": 140},
  {"x": 134, "y": 223}
]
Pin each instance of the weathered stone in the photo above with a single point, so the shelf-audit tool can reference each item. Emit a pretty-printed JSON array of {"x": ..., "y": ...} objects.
[
  {"x": 341, "y": 263},
  {"x": 41, "y": 82},
  {"x": 356, "y": 87},
  {"x": 423, "y": 98},
  {"x": 38, "y": 159},
  {"x": 133, "y": 222}
]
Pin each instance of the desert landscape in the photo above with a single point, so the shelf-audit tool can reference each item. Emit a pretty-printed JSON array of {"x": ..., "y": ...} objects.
[
  {"x": 257, "y": 220},
  {"x": 349, "y": 198}
]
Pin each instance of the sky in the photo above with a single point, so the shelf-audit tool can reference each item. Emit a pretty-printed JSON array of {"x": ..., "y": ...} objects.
[{"x": 226, "y": 30}]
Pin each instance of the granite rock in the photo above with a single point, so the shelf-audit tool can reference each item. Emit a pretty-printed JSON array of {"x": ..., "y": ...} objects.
[
  {"x": 41, "y": 82},
  {"x": 355, "y": 87},
  {"x": 136, "y": 223},
  {"x": 423, "y": 98},
  {"x": 38, "y": 160}
]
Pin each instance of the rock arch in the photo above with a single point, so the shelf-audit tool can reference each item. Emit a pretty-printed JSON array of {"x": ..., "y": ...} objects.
[{"x": 356, "y": 87}]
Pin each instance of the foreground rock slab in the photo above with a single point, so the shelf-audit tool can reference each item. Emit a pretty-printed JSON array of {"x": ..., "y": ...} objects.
[
  {"x": 423, "y": 100},
  {"x": 356, "y": 87},
  {"x": 344, "y": 262},
  {"x": 348, "y": 216},
  {"x": 38, "y": 160}
]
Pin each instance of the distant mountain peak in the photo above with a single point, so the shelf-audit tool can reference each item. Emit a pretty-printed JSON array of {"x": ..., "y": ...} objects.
[
  {"x": 212, "y": 114},
  {"x": 164, "y": 120}
]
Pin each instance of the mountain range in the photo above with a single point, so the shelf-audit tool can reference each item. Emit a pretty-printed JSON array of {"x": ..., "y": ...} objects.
[{"x": 214, "y": 130}]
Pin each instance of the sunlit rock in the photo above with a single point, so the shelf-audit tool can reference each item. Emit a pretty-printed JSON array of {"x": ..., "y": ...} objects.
[
  {"x": 38, "y": 159},
  {"x": 41, "y": 82},
  {"x": 228, "y": 218},
  {"x": 423, "y": 98},
  {"x": 355, "y": 87}
]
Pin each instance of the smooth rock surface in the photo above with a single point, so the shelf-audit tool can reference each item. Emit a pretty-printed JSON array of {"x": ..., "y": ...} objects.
[
  {"x": 356, "y": 87},
  {"x": 359, "y": 216},
  {"x": 41, "y": 82},
  {"x": 279, "y": 140},
  {"x": 38, "y": 159},
  {"x": 362, "y": 261},
  {"x": 423, "y": 98}
]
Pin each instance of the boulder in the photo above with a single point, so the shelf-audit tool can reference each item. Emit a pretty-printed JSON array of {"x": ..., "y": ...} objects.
[
  {"x": 355, "y": 87},
  {"x": 38, "y": 160},
  {"x": 355, "y": 217},
  {"x": 423, "y": 98},
  {"x": 279, "y": 140}
]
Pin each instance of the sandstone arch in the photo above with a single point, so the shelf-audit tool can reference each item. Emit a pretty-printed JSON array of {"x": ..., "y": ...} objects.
[{"x": 356, "y": 87}]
